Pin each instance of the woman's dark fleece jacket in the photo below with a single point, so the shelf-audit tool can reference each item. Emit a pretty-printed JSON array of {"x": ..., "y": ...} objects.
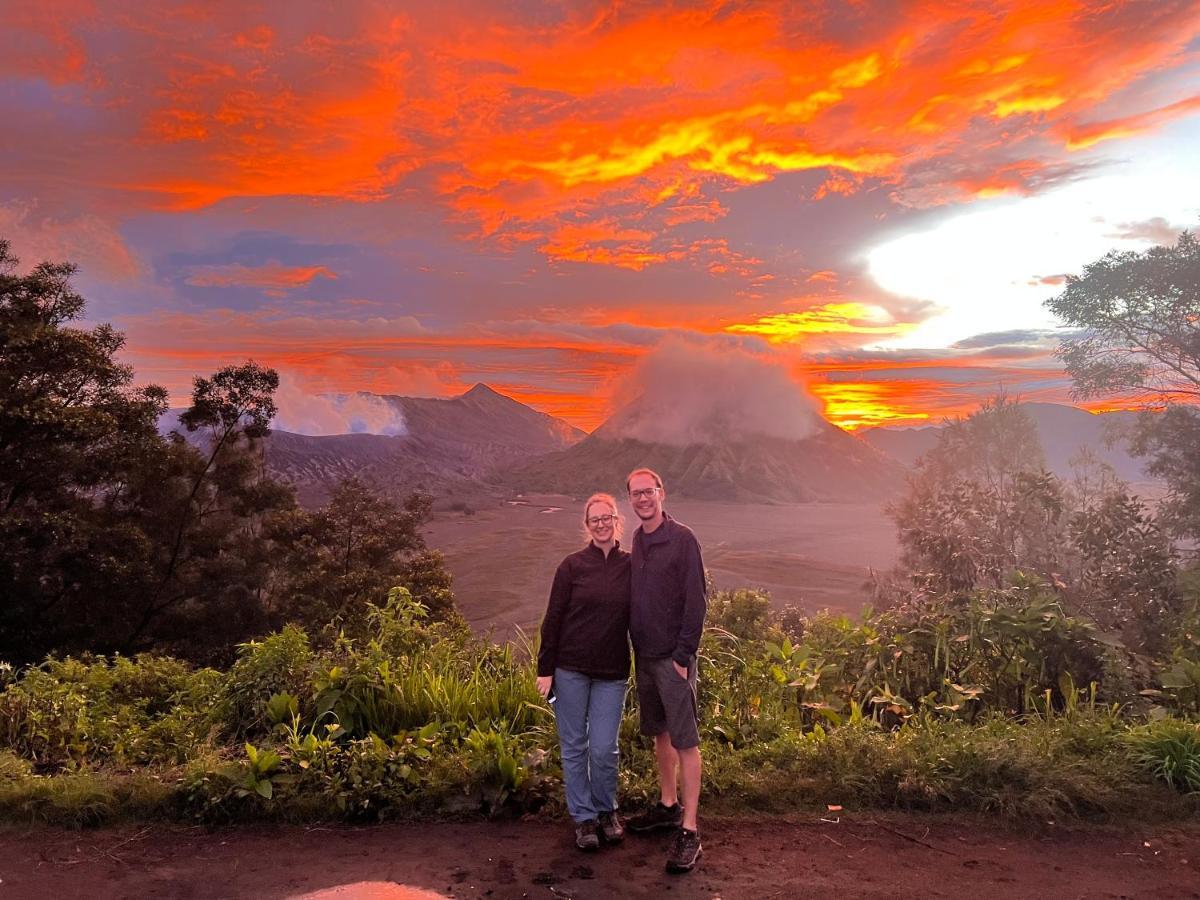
[{"x": 587, "y": 620}]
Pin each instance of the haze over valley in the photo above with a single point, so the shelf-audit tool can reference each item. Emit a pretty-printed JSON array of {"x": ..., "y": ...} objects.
[{"x": 798, "y": 512}]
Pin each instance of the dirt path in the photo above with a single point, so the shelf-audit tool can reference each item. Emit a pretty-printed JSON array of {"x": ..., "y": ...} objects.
[{"x": 854, "y": 857}]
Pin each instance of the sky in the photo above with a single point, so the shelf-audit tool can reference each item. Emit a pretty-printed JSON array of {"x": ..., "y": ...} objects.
[{"x": 872, "y": 198}]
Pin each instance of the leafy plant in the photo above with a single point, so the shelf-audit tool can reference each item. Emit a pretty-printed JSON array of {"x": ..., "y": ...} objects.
[
  {"x": 1169, "y": 750},
  {"x": 260, "y": 767}
]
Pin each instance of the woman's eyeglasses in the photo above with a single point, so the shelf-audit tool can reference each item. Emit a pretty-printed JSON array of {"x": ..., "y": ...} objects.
[{"x": 601, "y": 520}]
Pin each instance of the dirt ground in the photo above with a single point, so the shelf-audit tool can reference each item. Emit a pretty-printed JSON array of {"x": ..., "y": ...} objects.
[
  {"x": 815, "y": 555},
  {"x": 839, "y": 855}
]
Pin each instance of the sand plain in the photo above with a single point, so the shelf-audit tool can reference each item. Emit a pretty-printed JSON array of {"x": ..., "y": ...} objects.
[{"x": 812, "y": 555}]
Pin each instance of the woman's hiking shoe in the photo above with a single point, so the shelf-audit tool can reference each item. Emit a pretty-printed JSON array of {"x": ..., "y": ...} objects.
[
  {"x": 612, "y": 829},
  {"x": 586, "y": 835},
  {"x": 685, "y": 850},
  {"x": 657, "y": 818}
]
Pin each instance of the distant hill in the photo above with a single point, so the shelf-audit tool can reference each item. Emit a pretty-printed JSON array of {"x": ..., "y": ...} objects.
[
  {"x": 449, "y": 445},
  {"x": 1062, "y": 430}
]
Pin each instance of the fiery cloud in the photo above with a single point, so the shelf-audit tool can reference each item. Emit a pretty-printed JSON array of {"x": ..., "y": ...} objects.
[
  {"x": 1088, "y": 135},
  {"x": 536, "y": 195},
  {"x": 543, "y": 126},
  {"x": 830, "y": 318},
  {"x": 273, "y": 278}
]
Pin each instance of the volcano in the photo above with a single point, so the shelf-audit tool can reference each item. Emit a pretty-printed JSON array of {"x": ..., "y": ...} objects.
[
  {"x": 448, "y": 446},
  {"x": 826, "y": 464}
]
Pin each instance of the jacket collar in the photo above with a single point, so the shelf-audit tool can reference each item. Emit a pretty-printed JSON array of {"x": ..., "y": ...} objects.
[{"x": 659, "y": 535}]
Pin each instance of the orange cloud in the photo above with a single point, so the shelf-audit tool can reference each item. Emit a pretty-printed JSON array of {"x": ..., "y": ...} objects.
[
  {"x": 852, "y": 405},
  {"x": 533, "y": 130},
  {"x": 524, "y": 127},
  {"x": 1085, "y": 136},
  {"x": 272, "y": 277},
  {"x": 830, "y": 318}
]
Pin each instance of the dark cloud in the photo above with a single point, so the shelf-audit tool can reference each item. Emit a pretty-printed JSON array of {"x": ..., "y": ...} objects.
[
  {"x": 1010, "y": 351},
  {"x": 1002, "y": 338},
  {"x": 1157, "y": 231}
]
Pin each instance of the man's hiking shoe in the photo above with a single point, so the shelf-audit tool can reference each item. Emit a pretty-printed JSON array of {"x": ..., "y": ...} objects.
[
  {"x": 586, "y": 835},
  {"x": 685, "y": 850},
  {"x": 612, "y": 829},
  {"x": 657, "y": 818}
]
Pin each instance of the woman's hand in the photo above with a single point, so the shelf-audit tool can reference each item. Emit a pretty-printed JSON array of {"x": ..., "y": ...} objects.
[{"x": 543, "y": 684}]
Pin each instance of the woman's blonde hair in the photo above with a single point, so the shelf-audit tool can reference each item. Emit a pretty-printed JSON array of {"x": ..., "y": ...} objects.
[{"x": 618, "y": 522}]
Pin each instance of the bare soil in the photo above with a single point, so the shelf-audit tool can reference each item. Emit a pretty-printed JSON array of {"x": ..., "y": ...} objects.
[
  {"x": 833, "y": 855},
  {"x": 812, "y": 555}
]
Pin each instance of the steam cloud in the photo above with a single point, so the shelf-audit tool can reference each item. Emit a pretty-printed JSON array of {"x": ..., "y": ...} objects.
[
  {"x": 685, "y": 393},
  {"x": 303, "y": 412}
]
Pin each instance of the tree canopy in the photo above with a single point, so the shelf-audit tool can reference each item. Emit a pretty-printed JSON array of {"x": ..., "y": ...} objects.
[
  {"x": 115, "y": 537},
  {"x": 1138, "y": 316},
  {"x": 1138, "y": 321}
]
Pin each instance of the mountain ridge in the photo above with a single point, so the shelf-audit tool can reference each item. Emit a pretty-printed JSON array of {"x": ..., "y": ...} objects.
[{"x": 1062, "y": 429}]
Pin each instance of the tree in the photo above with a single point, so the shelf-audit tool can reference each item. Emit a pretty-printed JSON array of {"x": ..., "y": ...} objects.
[
  {"x": 116, "y": 538},
  {"x": 111, "y": 536},
  {"x": 971, "y": 519},
  {"x": 208, "y": 504},
  {"x": 351, "y": 552},
  {"x": 979, "y": 503},
  {"x": 1139, "y": 321},
  {"x": 1124, "y": 574},
  {"x": 990, "y": 447},
  {"x": 73, "y": 431},
  {"x": 1138, "y": 316},
  {"x": 70, "y": 422}
]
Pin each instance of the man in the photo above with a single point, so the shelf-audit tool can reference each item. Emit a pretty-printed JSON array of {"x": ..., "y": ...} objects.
[{"x": 666, "y": 616}]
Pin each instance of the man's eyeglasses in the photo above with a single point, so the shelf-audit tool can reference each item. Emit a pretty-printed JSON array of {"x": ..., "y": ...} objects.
[
  {"x": 601, "y": 520},
  {"x": 644, "y": 492}
]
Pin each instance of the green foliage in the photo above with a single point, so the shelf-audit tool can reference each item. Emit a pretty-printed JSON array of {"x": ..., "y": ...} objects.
[
  {"x": 281, "y": 663},
  {"x": 1136, "y": 314},
  {"x": 71, "y": 714},
  {"x": 1169, "y": 750},
  {"x": 995, "y": 701},
  {"x": 1169, "y": 439},
  {"x": 115, "y": 539},
  {"x": 980, "y": 505},
  {"x": 1124, "y": 574},
  {"x": 72, "y": 428},
  {"x": 972, "y": 518},
  {"x": 345, "y": 556},
  {"x": 744, "y": 613}
]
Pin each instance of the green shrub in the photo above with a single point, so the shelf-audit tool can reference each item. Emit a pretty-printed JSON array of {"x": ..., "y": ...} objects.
[
  {"x": 69, "y": 713},
  {"x": 1168, "y": 750},
  {"x": 994, "y": 702},
  {"x": 279, "y": 663}
]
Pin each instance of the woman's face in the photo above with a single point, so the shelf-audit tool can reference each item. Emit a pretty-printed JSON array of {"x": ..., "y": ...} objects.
[{"x": 601, "y": 522}]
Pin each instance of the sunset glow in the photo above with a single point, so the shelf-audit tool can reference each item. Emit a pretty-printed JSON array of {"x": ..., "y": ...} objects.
[{"x": 409, "y": 200}]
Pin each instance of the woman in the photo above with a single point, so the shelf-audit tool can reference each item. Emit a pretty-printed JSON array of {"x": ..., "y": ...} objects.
[{"x": 583, "y": 667}]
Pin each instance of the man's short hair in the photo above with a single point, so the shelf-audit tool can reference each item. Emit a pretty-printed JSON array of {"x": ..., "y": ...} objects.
[{"x": 643, "y": 471}]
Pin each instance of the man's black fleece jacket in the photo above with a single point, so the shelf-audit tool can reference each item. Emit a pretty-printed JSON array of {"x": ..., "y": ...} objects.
[
  {"x": 669, "y": 593},
  {"x": 587, "y": 620}
]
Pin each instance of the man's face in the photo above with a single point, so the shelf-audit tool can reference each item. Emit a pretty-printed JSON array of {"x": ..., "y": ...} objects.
[{"x": 646, "y": 497}]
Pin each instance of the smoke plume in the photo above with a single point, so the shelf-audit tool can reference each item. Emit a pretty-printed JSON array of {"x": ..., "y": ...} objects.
[
  {"x": 686, "y": 393},
  {"x": 303, "y": 412}
]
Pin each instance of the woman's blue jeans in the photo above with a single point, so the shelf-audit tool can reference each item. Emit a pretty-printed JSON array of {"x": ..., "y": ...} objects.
[{"x": 588, "y": 713}]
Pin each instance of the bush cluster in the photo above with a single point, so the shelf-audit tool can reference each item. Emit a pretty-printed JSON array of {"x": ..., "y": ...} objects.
[{"x": 998, "y": 702}]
